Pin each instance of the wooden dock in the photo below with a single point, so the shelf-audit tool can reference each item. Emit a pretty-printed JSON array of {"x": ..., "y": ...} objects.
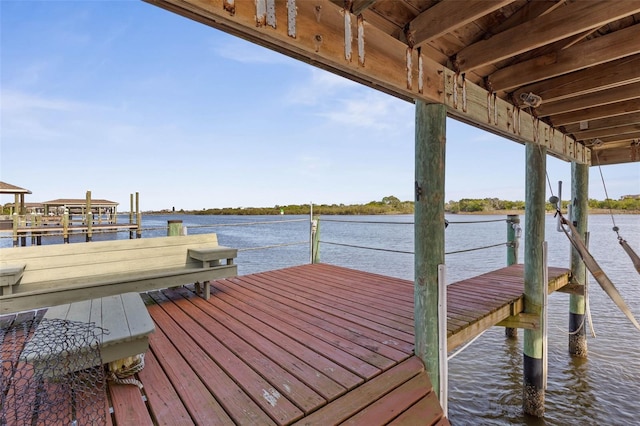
[
  {"x": 35, "y": 233},
  {"x": 313, "y": 344}
]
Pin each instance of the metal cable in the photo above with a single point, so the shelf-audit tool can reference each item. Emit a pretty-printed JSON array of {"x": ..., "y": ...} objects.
[
  {"x": 368, "y": 248},
  {"x": 478, "y": 248},
  {"x": 262, "y": 222},
  {"x": 411, "y": 252},
  {"x": 409, "y": 223},
  {"x": 606, "y": 194},
  {"x": 274, "y": 246}
]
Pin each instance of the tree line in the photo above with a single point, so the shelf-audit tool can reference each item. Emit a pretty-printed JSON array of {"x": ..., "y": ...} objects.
[{"x": 393, "y": 205}]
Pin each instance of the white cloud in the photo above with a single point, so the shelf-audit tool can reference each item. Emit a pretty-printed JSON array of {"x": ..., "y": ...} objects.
[
  {"x": 321, "y": 87},
  {"x": 14, "y": 101},
  {"x": 248, "y": 53},
  {"x": 343, "y": 101}
]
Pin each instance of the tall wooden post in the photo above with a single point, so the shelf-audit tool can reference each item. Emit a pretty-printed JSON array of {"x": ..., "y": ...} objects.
[
  {"x": 138, "y": 217},
  {"x": 16, "y": 222},
  {"x": 534, "y": 285},
  {"x": 579, "y": 215},
  {"x": 65, "y": 226},
  {"x": 429, "y": 231},
  {"x": 513, "y": 241},
  {"x": 131, "y": 216},
  {"x": 315, "y": 240},
  {"x": 89, "y": 219}
]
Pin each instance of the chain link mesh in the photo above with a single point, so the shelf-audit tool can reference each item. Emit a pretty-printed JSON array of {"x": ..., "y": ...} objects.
[{"x": 52, "y": 376}]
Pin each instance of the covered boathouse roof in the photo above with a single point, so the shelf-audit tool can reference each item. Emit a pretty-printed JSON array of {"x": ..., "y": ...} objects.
[
  {"x": 78, "y": 202},
  {"x": 564, "y": 74},
  {"x": 7, "y": 188}
]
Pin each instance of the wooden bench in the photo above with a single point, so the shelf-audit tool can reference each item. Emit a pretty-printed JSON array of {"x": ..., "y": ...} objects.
[
  {"x": 10, "y": 275},
  {"x": 119, "y": 325},
  {"x": 40, "y": 276}
]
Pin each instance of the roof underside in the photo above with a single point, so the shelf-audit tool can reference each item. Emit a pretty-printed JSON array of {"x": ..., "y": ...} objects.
[{"x": 561, "y": 73}]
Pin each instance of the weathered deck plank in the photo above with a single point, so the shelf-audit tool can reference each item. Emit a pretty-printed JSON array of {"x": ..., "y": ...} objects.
[{"x": 313, "y": 344}]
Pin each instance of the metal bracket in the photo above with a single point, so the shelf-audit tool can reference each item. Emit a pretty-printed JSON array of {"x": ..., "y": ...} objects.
[{"x": 418, "y": 191}]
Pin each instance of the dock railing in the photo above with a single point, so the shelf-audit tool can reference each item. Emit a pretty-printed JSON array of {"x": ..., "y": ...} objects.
[{"x": 512, "y": 242}]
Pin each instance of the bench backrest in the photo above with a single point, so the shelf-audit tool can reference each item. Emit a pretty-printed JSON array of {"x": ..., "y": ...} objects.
[{"x": 80, "y": 261}]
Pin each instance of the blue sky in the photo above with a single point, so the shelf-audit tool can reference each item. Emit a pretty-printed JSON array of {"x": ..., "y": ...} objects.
[{"x": 119, "y": 97}]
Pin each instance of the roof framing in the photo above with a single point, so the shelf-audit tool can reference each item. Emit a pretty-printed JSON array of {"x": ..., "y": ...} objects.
[{"x": 329, "y": 36}]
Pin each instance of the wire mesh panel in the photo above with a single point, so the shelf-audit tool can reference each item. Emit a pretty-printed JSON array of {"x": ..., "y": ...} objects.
[{"x": 53, "y": 376}]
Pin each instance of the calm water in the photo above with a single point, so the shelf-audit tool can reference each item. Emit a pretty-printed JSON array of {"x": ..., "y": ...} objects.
[{"x": 485, "y": 380}]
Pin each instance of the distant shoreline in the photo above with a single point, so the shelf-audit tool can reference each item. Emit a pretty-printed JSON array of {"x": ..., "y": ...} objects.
[
  {"x": 521, "y": 212},
  {"x": 485, "y": 213}
]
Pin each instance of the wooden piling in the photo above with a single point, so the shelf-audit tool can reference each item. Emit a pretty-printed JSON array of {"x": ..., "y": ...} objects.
[
  {"x": 89, "y": 218},
  {"x": 534, "y": 285},
  {"x": 131, "y": 234},
  {"x": 174, "y": 228},
  {"x": 315, "y": 241},
  {"x": 138, "y": 217},
  {"x": 16, "y": 220},
  {"x": 579, "y": 216},
  {"x": 65, "y": 226},
  {"x": 430, "y": 143},
  {"x": 513, "y": 243}
]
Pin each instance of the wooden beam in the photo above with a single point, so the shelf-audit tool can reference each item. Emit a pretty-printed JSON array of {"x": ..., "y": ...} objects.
[
  {"x": 603, "y": 123},
  {"x": 608, "y": 131},
  {"x": 628, "y": 154},
  {"x": 590, "y": 100},
  {"x": 574, "y": 18},
  {"x": 600, "y": 77},
  {"x": 447, "y": 15},
  {"x": 576, "y": 289},
  {"x": 527, "y": 12},
  {"x": 477, "y": 327},
  {"x": 610, "y": 110},
  {"x": 360, "y": 6},
  {"x": 599, "y": 50},
  {"x": 522, "y": 320},
  {"x": 316, "y": 34},
  {"x": 619, "y": 139},
  {"x": 470, "y": 103}
]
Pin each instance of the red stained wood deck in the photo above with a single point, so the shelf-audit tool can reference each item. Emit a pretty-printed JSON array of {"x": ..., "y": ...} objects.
[{"x": 307, "y": 345}]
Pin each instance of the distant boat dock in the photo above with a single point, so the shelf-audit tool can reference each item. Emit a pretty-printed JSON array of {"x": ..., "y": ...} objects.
[{"x": 65, "y": 217}]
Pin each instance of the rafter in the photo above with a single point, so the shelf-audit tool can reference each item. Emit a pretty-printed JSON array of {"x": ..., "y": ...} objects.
[
  {"x": 604, "y": 76},
  {"x": 626, "y": 154},
  {"x": 617, "y": 94},
  {"x": 618, "y": 139},
  {"x": 360, "y": 6},
  {"x": 448, "y": 15},
  {"x": 610, "y": 110},
  {"x": 527, "y": 12},
  {"x": 603, "y": 123},
  {"x": 606, "y": 132},
  {"x": 603, "y": 49},
  {"x": 561, "y": 23}
]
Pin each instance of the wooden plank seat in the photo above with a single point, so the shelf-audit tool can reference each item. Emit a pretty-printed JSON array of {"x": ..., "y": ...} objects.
[
  {"x": 119, "y": 325},
  {"x": 60, "y": 274},
  {"x": 10, "y": 275},
  {"x": 211, "y": 257}
]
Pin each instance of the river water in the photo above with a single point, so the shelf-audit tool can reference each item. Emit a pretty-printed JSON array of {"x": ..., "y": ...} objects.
[{"x": 485, "y": 380}]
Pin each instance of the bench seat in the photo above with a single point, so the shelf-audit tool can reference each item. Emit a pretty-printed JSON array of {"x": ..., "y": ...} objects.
[
  {"x": 10, "y": 275},
  {"x": 124, "y": 319},
  {"x": 65, "y": 273}
]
